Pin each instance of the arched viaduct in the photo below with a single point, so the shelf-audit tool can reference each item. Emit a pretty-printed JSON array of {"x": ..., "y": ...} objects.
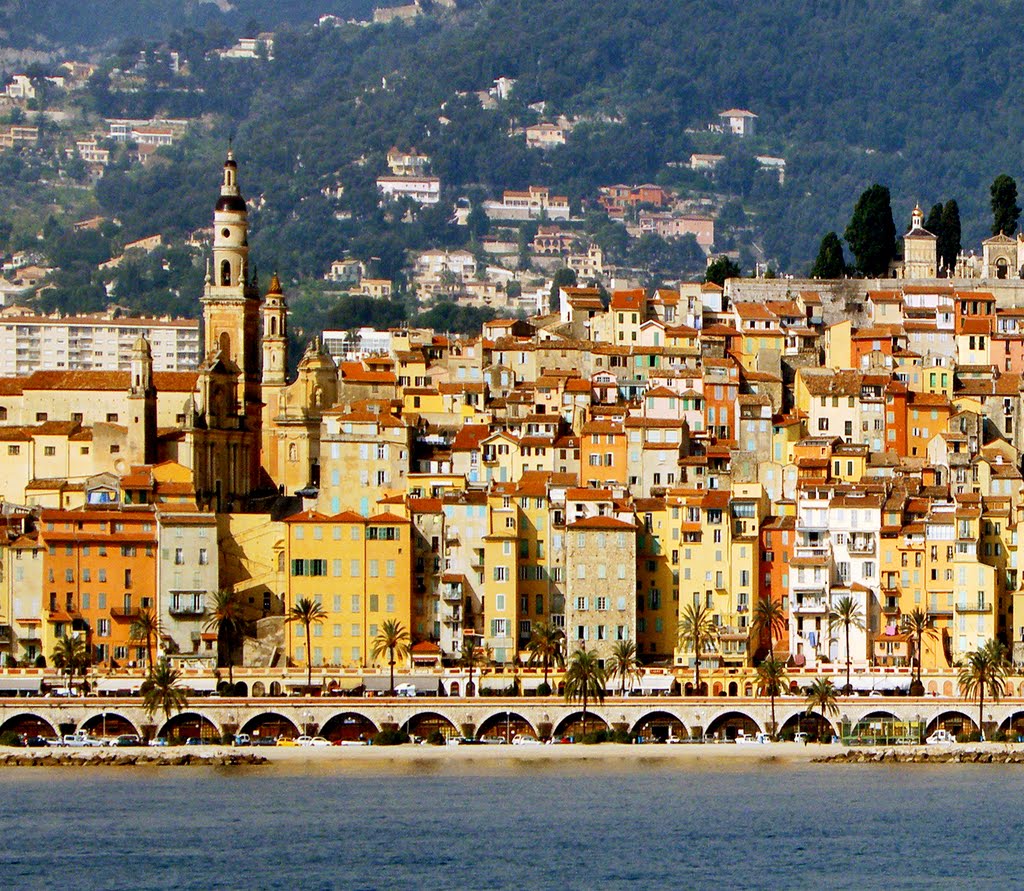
[{"x": 355, "y": 718}]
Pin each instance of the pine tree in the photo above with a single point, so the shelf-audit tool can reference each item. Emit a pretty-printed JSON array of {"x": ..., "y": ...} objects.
[{"x": 871, "y": 233}]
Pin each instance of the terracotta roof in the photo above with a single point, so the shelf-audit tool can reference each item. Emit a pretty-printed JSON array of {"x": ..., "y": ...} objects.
[{"x": 601, "y": 523}]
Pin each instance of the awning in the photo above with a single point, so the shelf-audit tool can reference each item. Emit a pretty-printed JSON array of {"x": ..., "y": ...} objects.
[
  {"x": 20, "y": 684},
  {"x": 657, "y": 683},
  {"x": 118, "y": 685},
  {"x": 424, "y": 683},
  {"x": 199, "y": 685},
  {"x": 869, "y": 683},
  {"x": 531, "y": 684},
  {"x": 500, "y": 682},
  {"x": 345, "y": 684}
]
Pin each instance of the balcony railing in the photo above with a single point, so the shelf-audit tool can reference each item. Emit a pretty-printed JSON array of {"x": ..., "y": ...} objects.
[
  {"x": 187, "y": 609},
  {"x": 859, "y": 545},
  {"x": 811, "y": 605}
]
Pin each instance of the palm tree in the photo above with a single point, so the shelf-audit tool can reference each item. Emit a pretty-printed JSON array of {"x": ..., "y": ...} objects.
[
  {"x": 392, "y": 639},
  {"x": 146, "y": 627},
  {"x": 771, "y": 681},
  {"x": 917, "y": 623},
  {"x": 769, "y": 617},
  {"x": 309, "y": 612},
  {"x": 822, "y": 695},
  {"x": 984, "y": 669},
  {"x": 546, "y": 648},
  {"x": 623, "y": 663},
  {"x": 161, "y": 693},
  {"x": 697, "y": 634},
  {"x": 226, "y": 620},
  {"x": 472, "y": 656},
  {"x": 70, "y": 653},
  {"x": 846, "y": 612},
  {"x": 584, "y": 680}
]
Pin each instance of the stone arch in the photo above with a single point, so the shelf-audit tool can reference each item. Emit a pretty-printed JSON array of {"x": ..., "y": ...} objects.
[
  {"x": 424, "y": 723},
  {"x": 1013, "y": 723},
  {"x": 259, "y": 688},
  {"x": 728, "y": 724},
  {"x": 348, "y": 727},
  {"x": 812, "y": 724},
  {"x": 188, "y": 724},
  {"x": 734, "y": 688},
  {"x": 954, "y": 720},
  {"x": 572, "y": 724},
  {"x": 933, "y": 688},
  {"x": 717, "y": 689},
  {"x": 264, "y": 724},
  {"x": 947, "y": 688},
  {"x": 453, "y": 689},
  {"x": 659, "y": 725},
  {"x": 748, "y": 690},
  {"x": 505, "y": 725},
  {"x": 275, "y": 687},
  {"x": 28, "y": 724},
  {"x": 240, "y": 689},
  {"x": 225, "y": 272},
  {"x": 225, "y": 344},
  {"x": 107, "y": 724}
]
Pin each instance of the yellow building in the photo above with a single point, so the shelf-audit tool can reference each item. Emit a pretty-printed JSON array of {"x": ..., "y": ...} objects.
[{"x": 359, "y": 569}]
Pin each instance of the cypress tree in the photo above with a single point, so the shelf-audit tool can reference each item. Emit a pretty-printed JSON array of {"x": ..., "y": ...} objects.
[
  {"x": 949, "y": 239},
  {"x": 871, "y": 233},
  {"x": 830, "y": 262},
  {"x": 1005, "y": 210}
]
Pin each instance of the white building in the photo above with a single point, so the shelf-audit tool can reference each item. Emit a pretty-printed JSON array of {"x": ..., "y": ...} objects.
[
  {"x": 738, "y": 121},
  {"x": 21, "y": 87},
  {"x": 345, "y": 346},
  {"x": 535, "y": 203},
  {"x": 100, "y": 342},
  {"x": 422, "y": 189}
]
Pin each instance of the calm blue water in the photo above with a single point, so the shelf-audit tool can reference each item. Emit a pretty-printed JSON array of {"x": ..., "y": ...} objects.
[{"x": 808, "y": 826}]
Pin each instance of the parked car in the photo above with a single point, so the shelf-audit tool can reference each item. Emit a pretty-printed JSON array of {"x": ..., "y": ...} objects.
[
  {"x": 800, "y": 736},
  {"x": 159, "y": 741},
  {"x": 242, "y": 739},
  {"x": 195, "y": 741},
  {"x": 493, "y": 740},
  {"x": 312, "y": 741},
  {"x": 287, "y": 741},
  {"x": 941, "y": 738},
  {"x": 127, "y": 739},
  {"x": 37, "y": 742},
  {"x": 264, "y": 741},
  {"x": 81, "y": 739},
  {"x": 744, "y": 739},
  {"x": 524, "y": 739}
]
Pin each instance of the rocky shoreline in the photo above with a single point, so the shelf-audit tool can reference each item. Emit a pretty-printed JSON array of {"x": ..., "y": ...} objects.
[
  {"x": 129, "y": 759},
  {"x": 917, "y": 756}
]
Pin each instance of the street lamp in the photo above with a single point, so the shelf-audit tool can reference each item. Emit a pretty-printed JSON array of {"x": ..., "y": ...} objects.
[{"x": 920, "y": 729}]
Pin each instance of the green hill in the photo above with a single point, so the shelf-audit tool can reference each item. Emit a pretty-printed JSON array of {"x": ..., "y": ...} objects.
[{"x": 926, "y": 98}]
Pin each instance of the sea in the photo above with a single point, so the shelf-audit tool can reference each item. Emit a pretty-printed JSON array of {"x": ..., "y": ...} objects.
[{"x": 641, "y": 825}]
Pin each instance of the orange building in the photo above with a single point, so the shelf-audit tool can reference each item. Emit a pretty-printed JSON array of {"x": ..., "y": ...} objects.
[
  {"x": 99, "y": 572},
  {"x": 778, "y": 538},
  {"x": 603, "y": 454}
]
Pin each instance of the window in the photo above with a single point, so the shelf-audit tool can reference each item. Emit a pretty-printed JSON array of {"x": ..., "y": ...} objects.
[
  {"x": 179, "y": 556},
  {"x": 13, "y": 450}
]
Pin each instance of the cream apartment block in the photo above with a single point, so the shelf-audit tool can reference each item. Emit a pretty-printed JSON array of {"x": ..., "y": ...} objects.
[{"x": 30, "y": 342}]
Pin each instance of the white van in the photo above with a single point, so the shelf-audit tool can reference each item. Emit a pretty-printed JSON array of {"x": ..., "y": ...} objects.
[{"x": 405, "y": 689}]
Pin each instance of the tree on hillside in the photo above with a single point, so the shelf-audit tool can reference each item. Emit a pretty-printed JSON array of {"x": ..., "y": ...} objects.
[
  {"x": 1005, "y": 210},
  {"x": 564, "y": 278},
  {"x": 933, "y": 222},
  {"x": 720, "y": 269},
  {"x": 949, "y": 238},
  {"x": 871, "y": 233},
  {"x": 830, "y": 262}
]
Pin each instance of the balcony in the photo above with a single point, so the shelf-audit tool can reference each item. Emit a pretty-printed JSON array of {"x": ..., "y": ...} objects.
[
  {"x": 810, "y": 605},
  {"x": 977, "y": 606},
  {"x": 454, "y": 618},
  {"x": 861, "y": 544},
  {"x": 451, "y": 593},
  {"x": 187, "y": 610},
  {"x": 119, "y": 612}
]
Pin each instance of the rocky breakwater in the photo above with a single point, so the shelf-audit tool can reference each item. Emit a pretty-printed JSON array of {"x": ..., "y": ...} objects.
[
  {"x": 926, "y": 756},
  {"x": 114, "y": 758}
]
